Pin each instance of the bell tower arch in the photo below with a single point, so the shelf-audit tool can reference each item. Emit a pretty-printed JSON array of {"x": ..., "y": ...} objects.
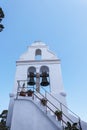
[{"x": 38, "y": 54}]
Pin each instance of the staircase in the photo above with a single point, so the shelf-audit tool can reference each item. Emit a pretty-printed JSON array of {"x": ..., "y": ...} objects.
[{"x": 45, "y": 102}]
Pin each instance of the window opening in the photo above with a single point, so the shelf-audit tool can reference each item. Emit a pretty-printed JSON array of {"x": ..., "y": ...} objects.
[{"x": 38, "y": 54}]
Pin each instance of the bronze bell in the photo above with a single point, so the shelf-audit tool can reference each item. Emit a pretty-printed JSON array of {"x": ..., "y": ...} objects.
[
  {"x": 31, "y": 79},
  {"x": 44, "y": 76}
]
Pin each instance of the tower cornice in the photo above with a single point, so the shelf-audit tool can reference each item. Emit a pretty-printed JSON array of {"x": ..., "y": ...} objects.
[{"x": 38, "y": 62}]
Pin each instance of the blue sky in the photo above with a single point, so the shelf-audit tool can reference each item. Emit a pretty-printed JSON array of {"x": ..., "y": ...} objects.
[{"x": 62, "y": 25}]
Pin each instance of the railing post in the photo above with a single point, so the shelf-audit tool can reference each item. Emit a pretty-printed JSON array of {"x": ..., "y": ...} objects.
[
  {"x": 33, "y": 87},
  {"x": 45, "y": 94},
  {"x": 33, "y": 93},
  {"x": 18, "y": 88},
  {"x": 60, "y": 106},
  {"x": 62, "y": 115},
  {"x": 46, "y": 99},
  {"x": 80, "y": 124}
]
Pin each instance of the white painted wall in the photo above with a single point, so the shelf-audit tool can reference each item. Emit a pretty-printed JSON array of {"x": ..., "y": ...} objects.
[
  {"x": 30, "y": 54},
  {"x": 48, "y": 59},
  {"x": 10, "y": 110},
  {"x": 56, "y": 83},
  {"x": 27, "y": 116}
]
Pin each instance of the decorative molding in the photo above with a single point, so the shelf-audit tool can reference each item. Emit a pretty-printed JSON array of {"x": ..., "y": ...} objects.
[
  {"x": 38, "y": 62},
  {"x": 11, "y": 95}
]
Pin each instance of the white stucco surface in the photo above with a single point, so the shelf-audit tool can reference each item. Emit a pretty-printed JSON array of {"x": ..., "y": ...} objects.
[
  {"x": 26, "y": 115},
  {"x": 45, "y": 52},
  {"x": 48, "y": 59}
]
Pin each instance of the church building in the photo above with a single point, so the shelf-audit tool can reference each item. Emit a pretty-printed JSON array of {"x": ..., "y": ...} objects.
[{"x": 38, "y": 99}]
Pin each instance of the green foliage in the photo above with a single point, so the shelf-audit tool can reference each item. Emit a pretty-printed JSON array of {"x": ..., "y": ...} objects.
[
  {"x": 22, "y": 93},
  {"x": 1, "y": 27},
  {"x": 3, "y": 126},
  {"x": 71, "y": 126},
  {"x": 1, "y": 13},
  {"x": 4, "y": 114},
  {"x": 44, "y": 101},
  {"x": 30, "y": 92},
  {"x": 58, "y": 114},
  {"x": 1, "y": 17},
  {"x": 3, "y": 117}
]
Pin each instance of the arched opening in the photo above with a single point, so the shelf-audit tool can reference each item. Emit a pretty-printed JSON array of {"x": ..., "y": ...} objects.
[
  {"x": 38, "y": 54},
  {"x": 44, "y": 69},
  {"x": 45, "y": 80},
  {"x": 31, "y": 77},
  {"x": 39, "y": 81},
  {"x": 31, "y": 69}
]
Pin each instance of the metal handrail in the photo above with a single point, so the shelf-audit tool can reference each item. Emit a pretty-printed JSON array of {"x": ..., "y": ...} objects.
[
  {"x": 55, "y": 99},
  {"x": 53, "y": 106},
  {"x": 79, "y": 121},
  {"x": 51, "y": 102},
  {"x": 48, "y": 106},
  {"x": 60, "y": 102}
]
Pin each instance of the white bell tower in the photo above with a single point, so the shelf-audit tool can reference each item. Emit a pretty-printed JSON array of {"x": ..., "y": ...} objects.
[
  {"x": 38, "y": 59},
  {"x": 40, "y": 68}
]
